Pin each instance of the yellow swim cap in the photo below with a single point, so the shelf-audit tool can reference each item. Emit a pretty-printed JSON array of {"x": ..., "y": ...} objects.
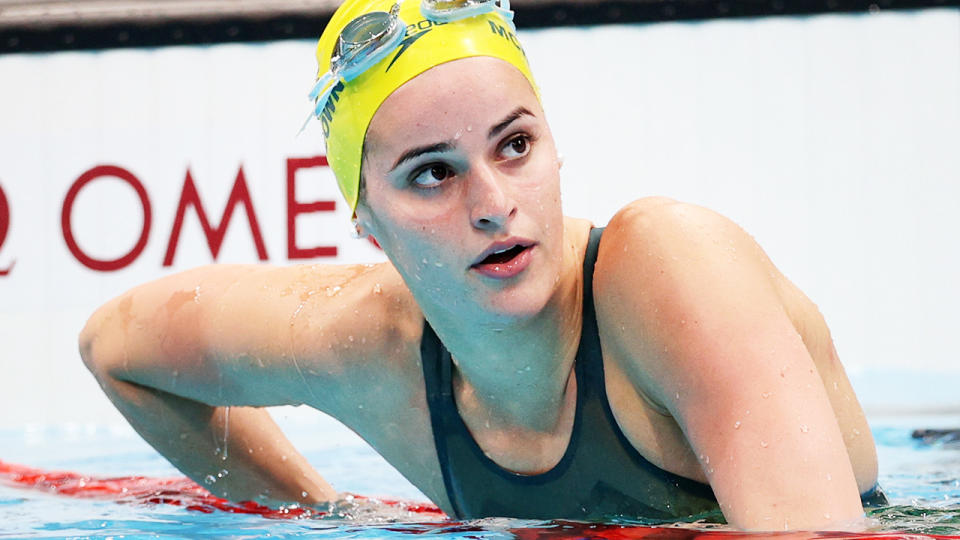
[{"x": 426, "y": 43}]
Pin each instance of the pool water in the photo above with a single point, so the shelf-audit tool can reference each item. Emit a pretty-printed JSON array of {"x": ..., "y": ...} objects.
[{"x": 921, "y": 480}]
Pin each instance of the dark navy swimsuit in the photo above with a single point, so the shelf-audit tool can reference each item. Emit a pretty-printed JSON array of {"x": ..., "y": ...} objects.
[{"x": 600, "y": 475}]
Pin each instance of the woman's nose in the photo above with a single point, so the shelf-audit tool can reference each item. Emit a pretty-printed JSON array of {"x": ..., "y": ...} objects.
[{"x": 491, "y": 204}]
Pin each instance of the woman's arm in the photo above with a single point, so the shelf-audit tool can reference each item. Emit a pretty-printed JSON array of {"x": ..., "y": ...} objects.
[
  {"x": 184, "y": 358},
  {"x": 706, "y": 336}
]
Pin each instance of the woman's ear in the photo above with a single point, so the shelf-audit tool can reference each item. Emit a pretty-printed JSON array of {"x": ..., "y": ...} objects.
[{"x": 361, "y": 224}]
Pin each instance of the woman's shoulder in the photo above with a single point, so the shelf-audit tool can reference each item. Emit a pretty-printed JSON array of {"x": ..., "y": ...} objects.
[
  {"x": 660, "y": 234},
  {"x": 372, "y": 312}
]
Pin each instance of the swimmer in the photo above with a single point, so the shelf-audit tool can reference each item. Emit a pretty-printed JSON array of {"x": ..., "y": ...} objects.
[{"x": 508, "y": 360}]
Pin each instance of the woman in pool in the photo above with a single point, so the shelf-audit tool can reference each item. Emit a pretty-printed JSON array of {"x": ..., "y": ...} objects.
[{"x": 508, "y": 360}]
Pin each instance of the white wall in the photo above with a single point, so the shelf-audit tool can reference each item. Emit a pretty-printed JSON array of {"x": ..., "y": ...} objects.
[{"x": 833, "y": 139}]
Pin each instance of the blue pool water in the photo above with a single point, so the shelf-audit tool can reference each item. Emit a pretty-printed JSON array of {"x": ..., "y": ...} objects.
[{"x": 921, "y": 480}]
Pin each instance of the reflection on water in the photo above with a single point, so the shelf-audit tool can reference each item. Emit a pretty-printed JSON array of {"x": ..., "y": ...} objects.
[{"x": 921, "y": 477}]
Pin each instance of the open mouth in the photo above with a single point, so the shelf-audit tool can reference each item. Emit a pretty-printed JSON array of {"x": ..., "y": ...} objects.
[
  {"x": 510, "y": 260},
  {"x": 505, "y": 256}
]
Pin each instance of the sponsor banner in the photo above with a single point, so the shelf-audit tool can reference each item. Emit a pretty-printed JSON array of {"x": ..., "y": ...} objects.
[{"x": 832, "y": 139}]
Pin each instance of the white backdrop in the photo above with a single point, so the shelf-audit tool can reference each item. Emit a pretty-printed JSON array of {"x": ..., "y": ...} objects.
[{"x": 833, "y": 139}]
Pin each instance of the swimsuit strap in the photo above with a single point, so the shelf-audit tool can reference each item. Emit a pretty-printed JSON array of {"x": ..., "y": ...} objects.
[{"x": 600, "y": 474}]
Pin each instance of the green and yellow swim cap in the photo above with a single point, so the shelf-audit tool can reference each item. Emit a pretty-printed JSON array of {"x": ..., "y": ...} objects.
[{"x": 425, "y": 44}]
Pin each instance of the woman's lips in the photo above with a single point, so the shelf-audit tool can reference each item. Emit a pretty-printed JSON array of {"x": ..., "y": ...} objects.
[{"x": 505, "y": 263}]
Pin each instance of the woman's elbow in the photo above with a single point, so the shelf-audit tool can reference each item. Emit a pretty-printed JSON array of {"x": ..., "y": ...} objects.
[{"x": 100, "y": 341}]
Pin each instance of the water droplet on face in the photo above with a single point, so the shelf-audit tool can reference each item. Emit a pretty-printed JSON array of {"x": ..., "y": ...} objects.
[
  {"x": 377, "y": 289},
  {"x": 763, "y": 444},
  {"x": 736, "y": 425},
  {"x": 826, "y": 516},
  {"x": 856, "y": 432},
  {"x": 765, "y": 395},
  {"x": 835, "y": 385},
  {"x": 829, "y": 477},
  {"x": 804, "y": 428},
  {"x": 303, "y": 493},
  {"x": 469, "y": 129}
]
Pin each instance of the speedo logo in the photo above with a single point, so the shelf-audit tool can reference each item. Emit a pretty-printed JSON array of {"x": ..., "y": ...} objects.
[
  {"x": 326, "y": 115},
  {"x": 413, "y": 33}
]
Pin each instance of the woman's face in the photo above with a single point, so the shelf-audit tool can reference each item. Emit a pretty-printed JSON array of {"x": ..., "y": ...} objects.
[{"x": 462, "y": 189}]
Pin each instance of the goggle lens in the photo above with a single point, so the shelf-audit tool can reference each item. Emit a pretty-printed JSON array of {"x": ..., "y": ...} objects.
[{"x": 362, "y": 37}]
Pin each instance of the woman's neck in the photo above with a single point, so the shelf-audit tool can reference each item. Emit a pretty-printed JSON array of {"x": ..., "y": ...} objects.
[{"x": 518, "y": 375}]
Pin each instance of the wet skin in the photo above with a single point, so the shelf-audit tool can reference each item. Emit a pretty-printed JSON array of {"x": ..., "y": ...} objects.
[{"x": 718, "y": 368}]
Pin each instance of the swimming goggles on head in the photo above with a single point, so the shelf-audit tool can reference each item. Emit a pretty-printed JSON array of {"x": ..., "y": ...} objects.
[{"x": 369, "y": 38}]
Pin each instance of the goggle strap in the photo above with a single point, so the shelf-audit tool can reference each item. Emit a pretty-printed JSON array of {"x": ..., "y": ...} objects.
[
  {"x": 318, "y": 86},
  {"x": 322, "y": 99}
]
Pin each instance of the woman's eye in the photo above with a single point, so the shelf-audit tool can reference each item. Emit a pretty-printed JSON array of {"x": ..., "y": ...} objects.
[
  {"x": 431, "y": 175},
  {"x": 517, "y": 147}
]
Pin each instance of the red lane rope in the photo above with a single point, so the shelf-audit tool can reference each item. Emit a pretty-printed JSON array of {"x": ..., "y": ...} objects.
[
  {"x": 185, "y": 493},
  {"x": 172, "y": 491}
]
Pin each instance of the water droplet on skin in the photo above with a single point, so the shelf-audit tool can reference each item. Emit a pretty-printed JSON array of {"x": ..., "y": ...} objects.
[
  {"x": 304, "y": 494},
  {"x": 469, "y": 129},
  {"x": 856, "y": 432},
  {"x": 677, "y": 395},
  {"x": 765, "y": 395},
  {"x": 283, "y": 458},
  {"x": 829, "y": 477},
  {"x": 763, "y": 444},
  {"x": 826, "y": 516},
  {"x": 835, "y": 385},
  {"x": 736, "y": 425},
  {"x": 350, "y": 338},
  {"x": 804, "y": 428}
]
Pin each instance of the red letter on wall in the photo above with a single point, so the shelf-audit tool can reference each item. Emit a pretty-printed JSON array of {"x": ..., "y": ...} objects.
[
  {"x": 189, "y": 196},
  {"x": 67, "y": 211},
  {"x": 295, "y": 208},
  {"x": 4, "y": 227}
]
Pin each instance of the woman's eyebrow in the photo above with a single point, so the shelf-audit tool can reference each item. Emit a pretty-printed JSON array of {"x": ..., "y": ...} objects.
[
  {"x": 502, "y": 125},
  {"x": 420, "y": 150}
]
